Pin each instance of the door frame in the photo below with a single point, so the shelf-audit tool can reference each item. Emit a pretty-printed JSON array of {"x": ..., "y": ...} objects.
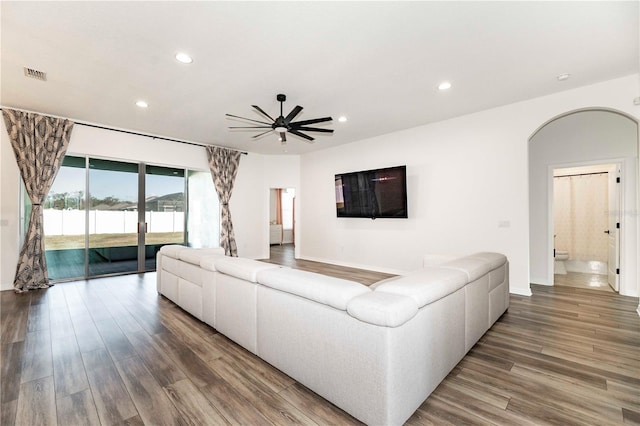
[
  {"x": 295, "y": 230},
  {"x": 619, "y": 164}
]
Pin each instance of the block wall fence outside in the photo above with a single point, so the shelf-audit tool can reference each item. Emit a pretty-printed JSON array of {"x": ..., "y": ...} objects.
[{"x": 72, "y": 222}]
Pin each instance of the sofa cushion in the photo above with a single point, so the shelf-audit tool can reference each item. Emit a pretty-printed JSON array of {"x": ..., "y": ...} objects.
[
  {"x": 170, "y": 264},
  {"x": 194, "y": 255},
  {"x": 386, "y": 280},
  {"x": 172, "y": 250},
  {"x": 427, "y": 285},
  {"x": 495, "y": 259},
  {"x": 245, "y": 269},
  {"x": 384, "y": 309},
  {"x": 330, "y": 291},
  {"x": 209, "y": 262},
  {"x": 472, "y": 266}
]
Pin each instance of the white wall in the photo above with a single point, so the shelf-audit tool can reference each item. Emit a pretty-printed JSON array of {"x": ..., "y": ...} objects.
[
  {"x": 467, "y": 176},
  {"x": 467, "y": 186},
  {"x": 579, "y": 138}
]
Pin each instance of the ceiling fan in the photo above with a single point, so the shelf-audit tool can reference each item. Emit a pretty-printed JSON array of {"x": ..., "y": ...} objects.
[{"x": 284, "y": 125}]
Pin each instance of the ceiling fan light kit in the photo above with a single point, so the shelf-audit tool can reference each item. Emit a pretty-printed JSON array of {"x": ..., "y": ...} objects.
[{"x": 283, "y": 125}]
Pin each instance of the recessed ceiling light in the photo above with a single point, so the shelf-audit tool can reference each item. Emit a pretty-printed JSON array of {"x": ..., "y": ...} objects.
[
  {"x": 142, "y": 104},
  {"x": 342, "y": 119},
  {"x": 445, "y": 85},
  {"x": 184, "y": 58},
  {"x": 563, "y": 77}
]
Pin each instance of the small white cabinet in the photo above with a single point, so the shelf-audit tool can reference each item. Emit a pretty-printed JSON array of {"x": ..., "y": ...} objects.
[{"x": 275, "y": 234}]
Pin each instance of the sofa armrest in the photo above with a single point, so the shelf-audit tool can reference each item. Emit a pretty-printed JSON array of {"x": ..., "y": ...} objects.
[
  {"x": 194, "y": 255},
  {"x": 427, "y": 285},
  {"x": 172, "y": 250},
  {"x": 383, "y": 309}
]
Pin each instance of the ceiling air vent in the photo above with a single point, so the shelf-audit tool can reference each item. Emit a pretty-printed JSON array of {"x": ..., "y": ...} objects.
[{"x": 33, "y": 73}]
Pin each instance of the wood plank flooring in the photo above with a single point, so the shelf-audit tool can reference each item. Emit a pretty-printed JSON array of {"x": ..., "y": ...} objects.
[
  {"x": 283, "y": 254},
  {"x": 112, "y": 351}
]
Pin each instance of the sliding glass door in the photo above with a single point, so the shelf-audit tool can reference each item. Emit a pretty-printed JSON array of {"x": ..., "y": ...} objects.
[
  {"x": 105, "y": 217},
  {"x": 164, "y": 211}
]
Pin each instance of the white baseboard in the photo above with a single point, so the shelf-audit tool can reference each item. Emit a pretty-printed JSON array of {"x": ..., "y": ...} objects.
[{"x": 521, "y": 291}]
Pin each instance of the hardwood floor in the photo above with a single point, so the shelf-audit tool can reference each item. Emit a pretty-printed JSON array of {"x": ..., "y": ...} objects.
[
  {"x": 111, "y": 351},
  {"x": 283, "y": 254}
]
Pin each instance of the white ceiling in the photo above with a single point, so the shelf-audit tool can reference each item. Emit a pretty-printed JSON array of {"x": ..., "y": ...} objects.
[{"x": 378, "y": 63}]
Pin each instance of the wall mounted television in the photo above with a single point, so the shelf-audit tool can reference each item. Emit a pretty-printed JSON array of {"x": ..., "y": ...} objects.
[{"x": 379, "y": 193}]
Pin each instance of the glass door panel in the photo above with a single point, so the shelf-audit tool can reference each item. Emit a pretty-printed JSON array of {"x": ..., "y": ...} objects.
[
  {"x": 64, "y": 221},
  {"x": 113, "y": 217},
  {"x": 164, "y": 210}
]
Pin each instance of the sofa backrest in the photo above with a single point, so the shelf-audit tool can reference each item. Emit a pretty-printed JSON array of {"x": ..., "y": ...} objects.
[
  {"x": 331, "y": 291},
  {"x": 244, "y": 269}
]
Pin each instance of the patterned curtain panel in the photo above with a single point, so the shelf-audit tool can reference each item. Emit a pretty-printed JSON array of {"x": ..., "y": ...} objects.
[
  {"x": 39, "y": 143},
  {"x": 224, "y": 167}
]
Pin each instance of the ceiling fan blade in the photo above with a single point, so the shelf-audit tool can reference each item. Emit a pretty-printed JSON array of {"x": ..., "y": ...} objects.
[
  {"x": 262, "y": 112},
  {"x": 263, "y": 133},
  {"x": 302, "y": 135},
  {"x": 248, "y": 119},
  {"x": 283, "y": 137},
  {"x": 313, "y": 129},
  {"x": 294, "y": 112},
  {"x": 251, "y": 127},
  {"x": 313, "y": 121}
]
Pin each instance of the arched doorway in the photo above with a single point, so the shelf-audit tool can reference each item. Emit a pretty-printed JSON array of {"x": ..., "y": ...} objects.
[{"x": 583, "y": 138}]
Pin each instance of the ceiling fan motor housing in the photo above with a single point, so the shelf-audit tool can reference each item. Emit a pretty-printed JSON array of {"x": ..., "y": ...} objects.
[{"x": 280, "y": 125}]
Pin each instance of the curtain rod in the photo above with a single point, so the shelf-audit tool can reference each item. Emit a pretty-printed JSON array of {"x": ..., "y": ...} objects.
[
  {"x": 130, "y": 132},
  {"x": 583, "y": 174}
]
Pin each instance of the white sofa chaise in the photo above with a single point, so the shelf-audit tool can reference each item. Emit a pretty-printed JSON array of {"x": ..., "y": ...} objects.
[{"x": 376, "y": 352}]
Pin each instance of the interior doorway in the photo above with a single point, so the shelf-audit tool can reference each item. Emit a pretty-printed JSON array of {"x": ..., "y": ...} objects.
[
  {"x": 282, "y": 216},
  {"x": 586, "y": 217},
  {"x": 581, "y": 138}
]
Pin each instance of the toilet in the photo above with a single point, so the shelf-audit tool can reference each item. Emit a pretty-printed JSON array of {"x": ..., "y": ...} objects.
[
  {"x": 562, "y": 255},
  {"x": 558, "y": 264}
]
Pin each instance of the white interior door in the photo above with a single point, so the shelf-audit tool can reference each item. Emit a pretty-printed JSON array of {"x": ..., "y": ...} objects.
[{"x": 614, "y": 228}]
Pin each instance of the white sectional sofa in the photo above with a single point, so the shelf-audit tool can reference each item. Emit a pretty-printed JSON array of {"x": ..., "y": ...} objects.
[{"x": 376, "y": 352}]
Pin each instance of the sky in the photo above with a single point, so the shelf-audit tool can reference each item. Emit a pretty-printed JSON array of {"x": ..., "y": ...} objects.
[{"x": 121, "y": 185}]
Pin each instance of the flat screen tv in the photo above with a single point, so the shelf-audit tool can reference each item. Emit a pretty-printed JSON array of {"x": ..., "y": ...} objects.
[{"x": 379, "y": 193}]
